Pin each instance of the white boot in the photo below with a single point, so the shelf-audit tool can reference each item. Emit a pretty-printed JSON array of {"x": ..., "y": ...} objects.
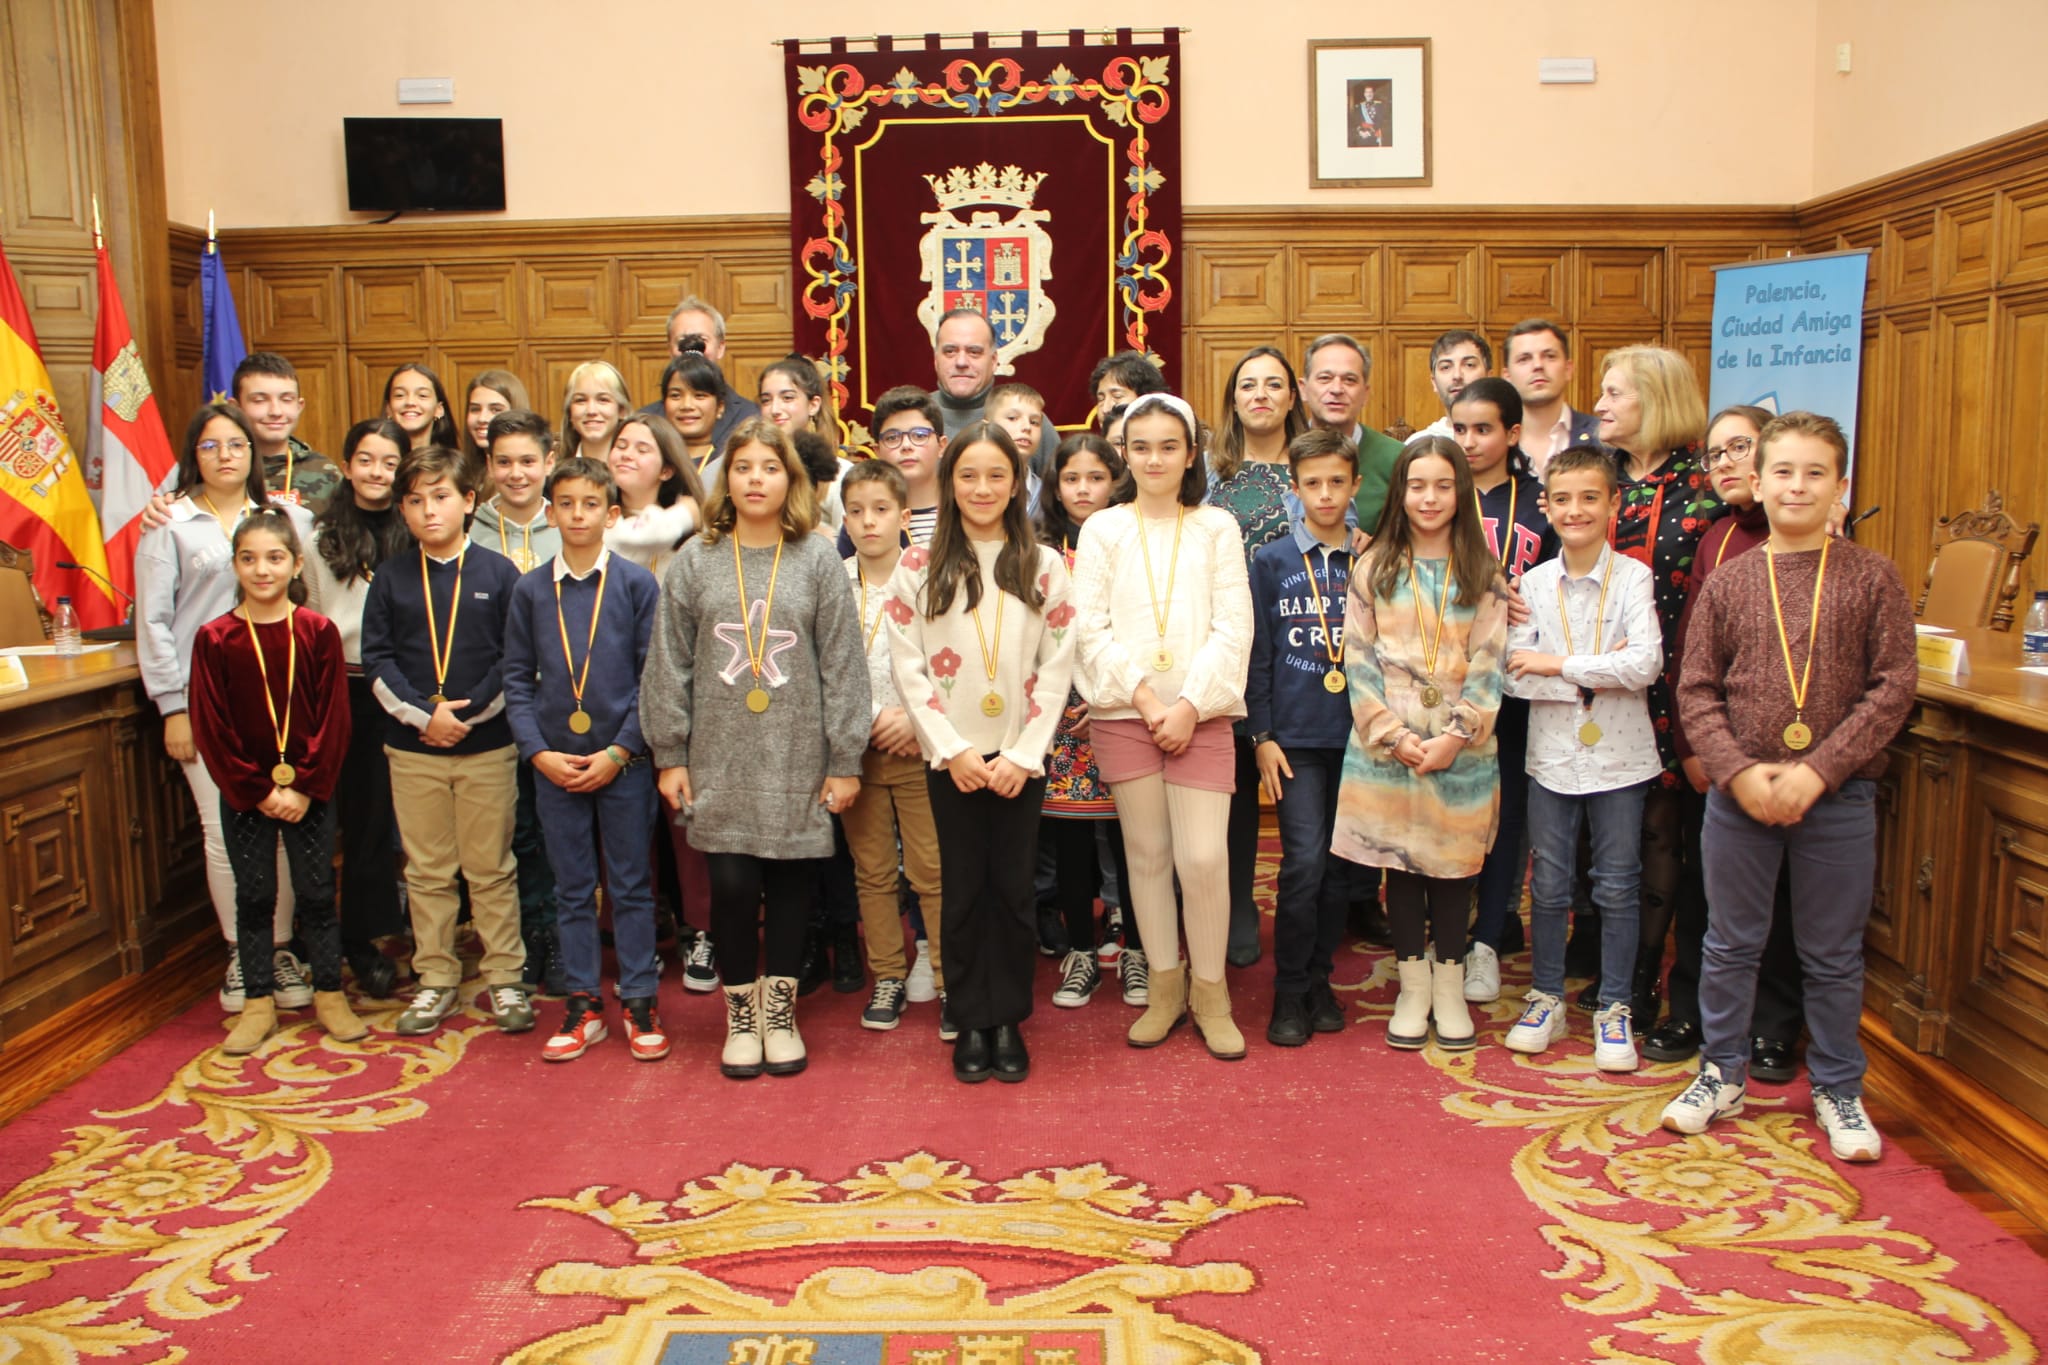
[
  {"x": 1447, "y": 1007},
  {"x": 781, "y": 1045},
  {"x": 742, "y": 1056},
  {"x": 1409, "y": 1028}
]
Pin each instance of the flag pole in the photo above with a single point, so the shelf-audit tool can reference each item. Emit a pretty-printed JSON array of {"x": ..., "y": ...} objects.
[
  {"x": 97, "y": 240},
  {"x": 210, "y": 247}
]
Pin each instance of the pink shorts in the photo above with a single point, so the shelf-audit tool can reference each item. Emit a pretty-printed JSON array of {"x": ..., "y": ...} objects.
[{"x": 1124, "y": 750}]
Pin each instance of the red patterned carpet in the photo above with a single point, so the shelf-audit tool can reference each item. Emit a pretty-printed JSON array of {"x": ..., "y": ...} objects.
[{"x": 454, "y": 1198}]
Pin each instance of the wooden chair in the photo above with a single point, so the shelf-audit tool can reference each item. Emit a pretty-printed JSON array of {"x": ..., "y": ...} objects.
[
  {"x": 1974, "y": 576},
  {"x": 21, "y": 617}
]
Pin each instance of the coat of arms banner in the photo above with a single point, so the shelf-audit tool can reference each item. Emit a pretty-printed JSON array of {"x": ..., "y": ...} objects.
[{"x": 1038, "y": 184}]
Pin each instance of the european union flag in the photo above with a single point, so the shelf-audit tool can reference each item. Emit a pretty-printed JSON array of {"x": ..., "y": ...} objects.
[{"x": 222, "y": 328}]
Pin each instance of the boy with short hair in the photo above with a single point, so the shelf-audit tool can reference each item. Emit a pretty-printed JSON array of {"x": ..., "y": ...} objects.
[
  {"x": 433, "y": 647},
  {"x": 266, "y": 388},
  {"x": 898, "y": 803},
  {"x": 910, "y": 433},
  {"x": 1298, "y": 710},
  {"x": 1020, "y": 410},
  {"x": 575, "y": 641},
  {"x": 1584, "y": 661},
  {"x": 1799, "y": 670}
]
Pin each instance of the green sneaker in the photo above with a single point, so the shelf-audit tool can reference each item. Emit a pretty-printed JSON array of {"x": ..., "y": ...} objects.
[
  {"x": 514, "y": 1012},
  {"x": 428, "y": 1008}
]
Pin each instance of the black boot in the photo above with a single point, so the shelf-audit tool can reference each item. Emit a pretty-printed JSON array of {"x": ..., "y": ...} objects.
[
  {"x": 1369, "y": 923},
  {"x": 816, "y": 969},
  {"x": 376, "y": 976},
  {"x": 554, "y": 972},
  {"x": 849, "y": 973}
]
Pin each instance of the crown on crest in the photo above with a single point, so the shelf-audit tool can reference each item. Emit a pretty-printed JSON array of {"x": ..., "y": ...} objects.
[
  {"x": 1088, "y": 1211},
  {"x": 960, "y": 187}
]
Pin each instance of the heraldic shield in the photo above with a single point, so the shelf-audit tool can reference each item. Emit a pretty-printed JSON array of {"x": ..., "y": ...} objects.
[{"x": 993, "y": 264}]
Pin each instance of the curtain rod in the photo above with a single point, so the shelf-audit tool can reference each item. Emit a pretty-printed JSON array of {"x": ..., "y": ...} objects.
[{"x": 1168, "y": 34}]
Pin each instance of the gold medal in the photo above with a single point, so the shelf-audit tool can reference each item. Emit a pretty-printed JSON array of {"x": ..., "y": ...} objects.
[
  {"x": 283, "y": 775},
  {"x": 579, "y": 721},
  {"x": 757, "y": 699},
  {"x": 1798, "y": 735},
  {"x": 1162, "y": 661},
  {"x": 991, "y": 705},
  {"x": 1589, "y": 734},
  {"x": 1333, "y": 681},
  {"x": 1432, "y": 696},
  {"x": 757, "y": 695},
  {"x": 436, "y": 699},
  {"x": 438, "y": 650}
]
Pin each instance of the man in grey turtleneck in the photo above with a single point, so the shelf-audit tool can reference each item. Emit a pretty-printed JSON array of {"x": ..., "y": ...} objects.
[{"x": 964, "y": 357}]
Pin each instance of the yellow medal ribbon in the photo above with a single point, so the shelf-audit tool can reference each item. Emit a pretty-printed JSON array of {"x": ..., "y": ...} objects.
[
  {"x": 1798, "y": 734},
  {"x": 1432, "y": 695},
  {"x": 991, "y": 704},
  {"x": 1589, "y": 731},
  {"x": 283, "y": 775},
  {"x": 525, "y": 559},
  {"x": 1333, "y": 681},
  {"x": 579, "y": 719},
  {"x": 757, "y": 695},
  {"x": 442, "y": 651},
  {"x": 1507, "y": 527},
  {"x": 1163, "y": 659}
]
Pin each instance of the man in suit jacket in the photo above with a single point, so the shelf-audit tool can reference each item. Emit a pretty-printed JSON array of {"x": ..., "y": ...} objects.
[{"x": 1539, "y": 365}]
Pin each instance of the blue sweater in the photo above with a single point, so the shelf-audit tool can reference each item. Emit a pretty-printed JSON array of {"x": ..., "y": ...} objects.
[
  {"x": 398, "y": 660},
  {"x": 1285, "y": 692},
  {"x": 539, "y": 685}
]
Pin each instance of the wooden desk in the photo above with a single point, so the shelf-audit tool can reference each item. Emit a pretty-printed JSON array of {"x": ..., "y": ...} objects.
[{"x": 102, "y": 878}]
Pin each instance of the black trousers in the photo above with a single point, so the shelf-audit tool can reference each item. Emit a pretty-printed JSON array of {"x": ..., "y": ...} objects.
[
  {"x": 251, "y": 838},
  {"x": 1673, "y": 890},
  {"x": 1079, "y": 872},
  {"x": 758, "y": 909},
  {"x": 369, "y": 831},
  {"x": 1428, "y": 909},
  {"x": 988, "y": 848},
  {"x": 1241, "y": 843}
]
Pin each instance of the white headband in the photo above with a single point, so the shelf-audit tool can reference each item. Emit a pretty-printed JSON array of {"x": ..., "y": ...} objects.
[{"x": 1177, "y": 406}]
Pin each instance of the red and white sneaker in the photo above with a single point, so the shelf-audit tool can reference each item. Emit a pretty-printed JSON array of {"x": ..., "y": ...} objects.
[
  {"x": 644, "y": 1035},
  {"x": 582, "y": 1027}
]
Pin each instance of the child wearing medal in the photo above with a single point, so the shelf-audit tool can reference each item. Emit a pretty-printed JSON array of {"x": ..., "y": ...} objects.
[
  {"x": 1297, "y": 711},
  {"x": 981, "y": 646},
  {"x": 433, "y": 646},
  {"x": 755, "y": 706},
  {"x": 1425, "y": 627},
  {"x": 269, "y": 702},
  {"x": 575, "y": 641},
  {"x": 1165, "y": 635},
  {"x": 1583, "y": 663},
  {"x": 1799, "y": 669}
]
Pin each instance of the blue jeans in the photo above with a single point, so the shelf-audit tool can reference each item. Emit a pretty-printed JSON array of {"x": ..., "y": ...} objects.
[
  {"x": 1313, "y": 896},
  {"x": 1833, "y": 857},
  {"x": 619, "y": 820},
  {"x": 1614, "y": 819}
]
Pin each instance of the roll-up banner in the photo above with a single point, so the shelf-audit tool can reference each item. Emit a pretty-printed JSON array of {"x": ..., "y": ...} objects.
[{"x": 1788, "y": 336}]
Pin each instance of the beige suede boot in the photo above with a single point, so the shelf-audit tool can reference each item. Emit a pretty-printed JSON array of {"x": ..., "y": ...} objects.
[
  {"x": 1210, "y": 1004},
  {"x": 1447, "y": 1007},
  {"x": 257, "y": 1022},
  {"x": 1409, "y": 1028},
  {"x": 1165, "y": 1007},
  {"x": 331, "y": 1008}
]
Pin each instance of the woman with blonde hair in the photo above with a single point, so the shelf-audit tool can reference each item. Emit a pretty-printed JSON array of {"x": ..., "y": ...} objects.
[{"x": 594, "y": 406}]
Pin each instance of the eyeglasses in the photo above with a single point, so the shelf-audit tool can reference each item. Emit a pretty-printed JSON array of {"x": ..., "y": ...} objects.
[
  {"x": 903, "y": 436},
  {"x": 1735, "y": 452},
  {"x": 234, "y": 447}
]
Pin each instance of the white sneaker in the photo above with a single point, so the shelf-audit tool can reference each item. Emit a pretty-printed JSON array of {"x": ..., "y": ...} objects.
[
  {"x": 1710, "y": 1096},
  {"x": 231, "y": 997},
  {"x": 1614, "y": 1040},
  {"x": 918, "y": 987},
  {"x": 700, "y": 966},
  {"x": 1851, "y": 1134},
  {"x": 1482, "y": 975},
  {"x": 289, "y": 987},
  {"x": 1542, "y": 1023}
]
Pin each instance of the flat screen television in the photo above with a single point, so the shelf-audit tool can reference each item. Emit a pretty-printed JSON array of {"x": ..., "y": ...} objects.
[{"x": 410, "y": 165}]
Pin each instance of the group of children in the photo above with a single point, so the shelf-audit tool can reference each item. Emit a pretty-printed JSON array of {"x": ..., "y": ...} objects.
[{"x": 652, "y": 626}]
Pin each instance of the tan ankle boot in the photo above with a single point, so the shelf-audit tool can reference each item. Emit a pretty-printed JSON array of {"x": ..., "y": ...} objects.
[
  {"x": 1166, "y": 1006},
  {"x": 257, "y": 1022},
  {"x": 1210, "y": 1004},
  {"x": 1447, "y": 1007},
  {"x": 1409, "y": 1028},
  {"x": 331, "y": 1008}
]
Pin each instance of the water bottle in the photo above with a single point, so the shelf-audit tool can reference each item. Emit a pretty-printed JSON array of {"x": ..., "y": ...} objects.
[
  {"x": 2034, "y": 643},
  {"x": 65, "y": 635}
]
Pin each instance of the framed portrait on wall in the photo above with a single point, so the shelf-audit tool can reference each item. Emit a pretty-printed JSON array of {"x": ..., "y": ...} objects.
[{"x": 1368, "y": 112}]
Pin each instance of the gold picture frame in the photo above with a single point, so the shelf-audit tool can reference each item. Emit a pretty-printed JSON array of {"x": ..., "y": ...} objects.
[{"x": 1368, "y": 113}]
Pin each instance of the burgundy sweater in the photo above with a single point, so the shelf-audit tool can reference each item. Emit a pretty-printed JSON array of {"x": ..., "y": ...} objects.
[
  {"x": 1744, "y": 529},
  {"x": 231, "y": 725},
  {"x": 1734, "y": 697}
]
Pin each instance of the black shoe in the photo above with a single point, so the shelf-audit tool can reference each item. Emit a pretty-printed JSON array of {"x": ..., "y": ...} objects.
[
  {"x": 1006, "y": 1051},
  {"x": 1289, "y": 1027},
  {"x": 971, "y": 1059},
  {"x": 1677, "y": 1041},
  {"x": 1589, "y": 998},
  {"x": 554, "y": 973},
  {"x": 1369, "y": 922},
  {"x": 1325, "y": 1015},
  {"x": 948, "y": 1030},
  {"x": 849, "y": 972},
  {"x": 376, "y": 976},
  {"x": 1773, "y": 1061},
  {"x": 1052, "y": 933},
  {"x": 1512, "y": 938},
  {"x": 816, "y": 966},
  {"x": 1243, "y": 954}
]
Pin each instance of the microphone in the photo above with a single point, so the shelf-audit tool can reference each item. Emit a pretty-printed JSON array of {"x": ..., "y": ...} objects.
[{"x": 101, "y": 578}]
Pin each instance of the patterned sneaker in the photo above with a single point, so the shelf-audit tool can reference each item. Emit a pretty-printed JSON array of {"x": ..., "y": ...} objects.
[
  {"x": 290, "y": 988},
  {"x": 1111, "y": 945},
  {"x": 582, "y": 1028},
  {"x": 1541, "y": 1024},
  {"x": 1710, "y": 1096},
  {"x": 1482, "y": 975},
  {"x": 885, "y": 1005},
  {"x": 645, "y": 1038},
  {"x": 1079, "y": 976},
  {"x": 231, "y": 997},
  {"x": 428, "y": 1008},
  {"x": 511, "y": 1008},
  {"x": 1614, "y": 1040},
  {"x": 948, "y": 1030},
  {"x": 920, "y": 988},
  {"x": 1851, "y": 1134},
  {"x": 700, "y": 969},
  {"x": 1135, "y": 974}
]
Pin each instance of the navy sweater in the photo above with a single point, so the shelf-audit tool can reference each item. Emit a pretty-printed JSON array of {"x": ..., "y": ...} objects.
[
  {"x": 539, "y": 685},
  {"x": 398, "y": 660},
  {"x": 1531, "y": 541},
  {"x": 1285, "y": 691}
]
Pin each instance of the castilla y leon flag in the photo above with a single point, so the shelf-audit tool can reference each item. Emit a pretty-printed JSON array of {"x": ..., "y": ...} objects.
[
  {"x": 126, "y": 443},
  {"x": 45, "y": 507}
]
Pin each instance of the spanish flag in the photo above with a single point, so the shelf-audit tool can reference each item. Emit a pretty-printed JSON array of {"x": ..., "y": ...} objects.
[{"x": 45, "y": 507}]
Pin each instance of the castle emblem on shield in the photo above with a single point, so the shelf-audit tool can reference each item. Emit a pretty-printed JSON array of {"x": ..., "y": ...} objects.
[{"x": 994, "y": 264}]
